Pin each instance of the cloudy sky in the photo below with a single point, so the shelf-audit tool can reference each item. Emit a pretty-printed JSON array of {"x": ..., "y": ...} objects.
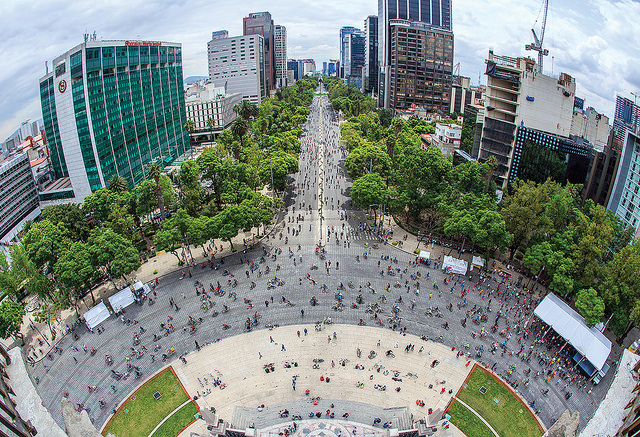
[{"x": 596, "y": 41}]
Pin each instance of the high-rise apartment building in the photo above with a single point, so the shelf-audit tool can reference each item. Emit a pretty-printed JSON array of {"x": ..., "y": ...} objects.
[
  {"x": 19, "y": 200},
  {"x": 292, "y": 65},
  {"x": 344, "y": 31},
  {"x": 111, "y": 108},
  {"x": 280, "y": 54},
  {"x": 260, "y": 23},
  {"x": 527, "y": 122},
  {"x": 237, "y": 63},
  {"x": 626, "y": 117},
  {"x": 625, "y": 196},
  {"x": 370, "y": 69},
  {"x": 415, "y": 54},
  {"x": 354, "y": 48}
]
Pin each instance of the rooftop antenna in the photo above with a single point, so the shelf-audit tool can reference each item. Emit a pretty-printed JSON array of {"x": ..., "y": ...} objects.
[{"x": 537, "y": 42}]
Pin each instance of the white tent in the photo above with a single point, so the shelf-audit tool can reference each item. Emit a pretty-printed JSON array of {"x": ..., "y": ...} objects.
[
  {"x": 455, "y": 265},
  {"x": 477, "y": 262},
  {"x": 96, "y": 315},
  {"x": 424, "y": 254},
  {"x": 122, "y": 299},
  {"x": 590, "y": 342},
  {"x": 141, "y": 288}
]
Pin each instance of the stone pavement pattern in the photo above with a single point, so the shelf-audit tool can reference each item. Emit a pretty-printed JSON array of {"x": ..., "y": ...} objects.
[
  {"x": 236, "y": 362},
  {"x": 316, "y": 213}
]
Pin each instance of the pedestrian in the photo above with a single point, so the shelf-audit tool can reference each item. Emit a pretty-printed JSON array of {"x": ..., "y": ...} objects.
[
  {"x": 301, "y": 313},
  {"x": 305, "y": 331},
  {"x": 283, "y": 348},
  {"x": 271, "y": 339},
  {"x": 259, "y": 355}
]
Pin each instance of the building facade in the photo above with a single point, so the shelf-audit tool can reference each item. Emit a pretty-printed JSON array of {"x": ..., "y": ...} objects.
[
  {"x": 420, "y": 69},
  {"x": 432, "y": 14},
  {"x": 280, "y": 54},
  {"x": 592, "y": 126},
  {"x": 111, "y": 108},
  {"x": 463, "y": 94},
  {"x": 292, "y": 65},
  {"x": 344, "y": 31},
  {"x": 210, "y": 107},
  {"x": 517, "y": 97},
  {"x": 237, "y": 63},
  {"x": 354, "y": 47},
  {"x": 626, "y": 117},
  {"x": 260, "y": 23},
  {"x": 11, "y": 424},
  {"x": 370, "y": 69},
  {"x": 333, "y": 67},
  {"x": 19, "y": 200},
  {"x": 625, "y": 196},
  {"x": 602, "y": 175}
]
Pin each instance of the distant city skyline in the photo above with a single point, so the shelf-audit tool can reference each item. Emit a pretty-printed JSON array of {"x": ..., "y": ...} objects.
[{"x": 594, "y": 41}]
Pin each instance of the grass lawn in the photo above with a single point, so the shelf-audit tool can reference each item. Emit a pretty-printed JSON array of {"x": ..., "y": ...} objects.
[
  {"x": 467, "y": 422},
  {"x": 183, "y": 417},
  {"x": 140, "y": 414},
  {"x": 508, "y": 417}
]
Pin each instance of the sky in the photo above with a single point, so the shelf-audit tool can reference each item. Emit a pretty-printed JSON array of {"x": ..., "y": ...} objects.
[{"x": 595, "y": 41}]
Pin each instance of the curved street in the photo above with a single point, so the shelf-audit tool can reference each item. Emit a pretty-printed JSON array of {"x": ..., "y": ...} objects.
[{"x": 319, "y": 215}]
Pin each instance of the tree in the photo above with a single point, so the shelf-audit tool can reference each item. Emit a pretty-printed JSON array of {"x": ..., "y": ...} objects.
[
  {"x": 44, "y": 242},
  {"x": 70, "y": 216},
  {"x": 368, "y": 158},
  {"x": 74, "y": 269},
  {"x": 246, "y": 110},
  {"x": 112, "y": 252},
  {"x": 619, "y": 286},
  {"x": 368, "y": 191},
  {"x": 590, "y": 306},
  {"x": 11, "y": 314},
  {"x": 282, "y": 164},
  {"x": 190, "y": 187},
  {"x": 240, "y": 127},
  {"x": 118, "y": 184},
  {"x": 523, "y": 211},
  {"x": 190, "y": 126},
  {"x": 155, "y": 171}
]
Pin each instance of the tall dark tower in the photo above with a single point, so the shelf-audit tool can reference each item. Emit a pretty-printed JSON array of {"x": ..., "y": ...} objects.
[
  {"x": 261, "y": 23},
  {"x": 426, "y": 23}
]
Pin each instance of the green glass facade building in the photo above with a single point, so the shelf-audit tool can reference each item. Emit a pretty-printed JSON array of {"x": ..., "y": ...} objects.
[{"x": 112, "y": 108}]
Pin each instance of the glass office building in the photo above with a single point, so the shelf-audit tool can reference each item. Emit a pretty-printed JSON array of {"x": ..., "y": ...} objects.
[{"x": 111, "y": 108}]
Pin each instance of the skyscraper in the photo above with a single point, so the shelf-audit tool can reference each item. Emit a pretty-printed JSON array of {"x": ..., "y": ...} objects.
[
  {"x": 415, "y": 53},
  {"x": 370, "y": 70},
  {"x": 346, "y": 30},
  {"x": 260, "y": 23},
  {"x": 237, "y": 63},
  {"x": 626, "y": 117},
  {"x": 280, "y": 54},
  {"x": 112, "y": 107},
  {"x": 354, "y": 47}
]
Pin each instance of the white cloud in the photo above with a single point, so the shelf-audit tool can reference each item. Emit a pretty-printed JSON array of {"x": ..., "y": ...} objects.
[{"x": 593, "y": 40}]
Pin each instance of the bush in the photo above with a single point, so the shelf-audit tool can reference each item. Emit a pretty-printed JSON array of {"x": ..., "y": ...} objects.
[{"x": 395, "y": 243}]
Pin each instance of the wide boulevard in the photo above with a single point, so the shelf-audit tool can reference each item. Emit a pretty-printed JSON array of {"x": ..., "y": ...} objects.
[{"x": 319, "y": 227}]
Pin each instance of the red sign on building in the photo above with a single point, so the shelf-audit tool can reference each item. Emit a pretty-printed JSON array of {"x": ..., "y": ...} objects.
[{"x": 142, "y": 43}]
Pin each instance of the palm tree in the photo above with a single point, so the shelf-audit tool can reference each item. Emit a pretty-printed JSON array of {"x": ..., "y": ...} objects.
[
  {"x": 190, "y": 126},
  {"x": 155, "y": 171},
  {"x": 211, "y": 123},
  {"x": 240, "y": 127},
  {"x": 246, "y": 110},
  {"x": 118, "y": 184}
]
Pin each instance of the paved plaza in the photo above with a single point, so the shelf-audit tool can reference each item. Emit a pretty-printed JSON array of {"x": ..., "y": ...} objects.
[{"x": 318, "y": 211}]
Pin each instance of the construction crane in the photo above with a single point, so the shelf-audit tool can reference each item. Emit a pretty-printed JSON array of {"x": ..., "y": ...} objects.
[{"x": 537, "y": 42}]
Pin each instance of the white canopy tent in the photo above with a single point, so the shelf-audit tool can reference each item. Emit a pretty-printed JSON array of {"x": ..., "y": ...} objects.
[
  {"x": 477, "y": 262},
  {"x": 590, "y": 342},
  {"x": 141, "y": 288},
  {"x": 122, "y": 299},
  {"x": 424, "y": 254},
  {"x": 96, "y": 315},
  {"x": 455, "y": 265}
]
